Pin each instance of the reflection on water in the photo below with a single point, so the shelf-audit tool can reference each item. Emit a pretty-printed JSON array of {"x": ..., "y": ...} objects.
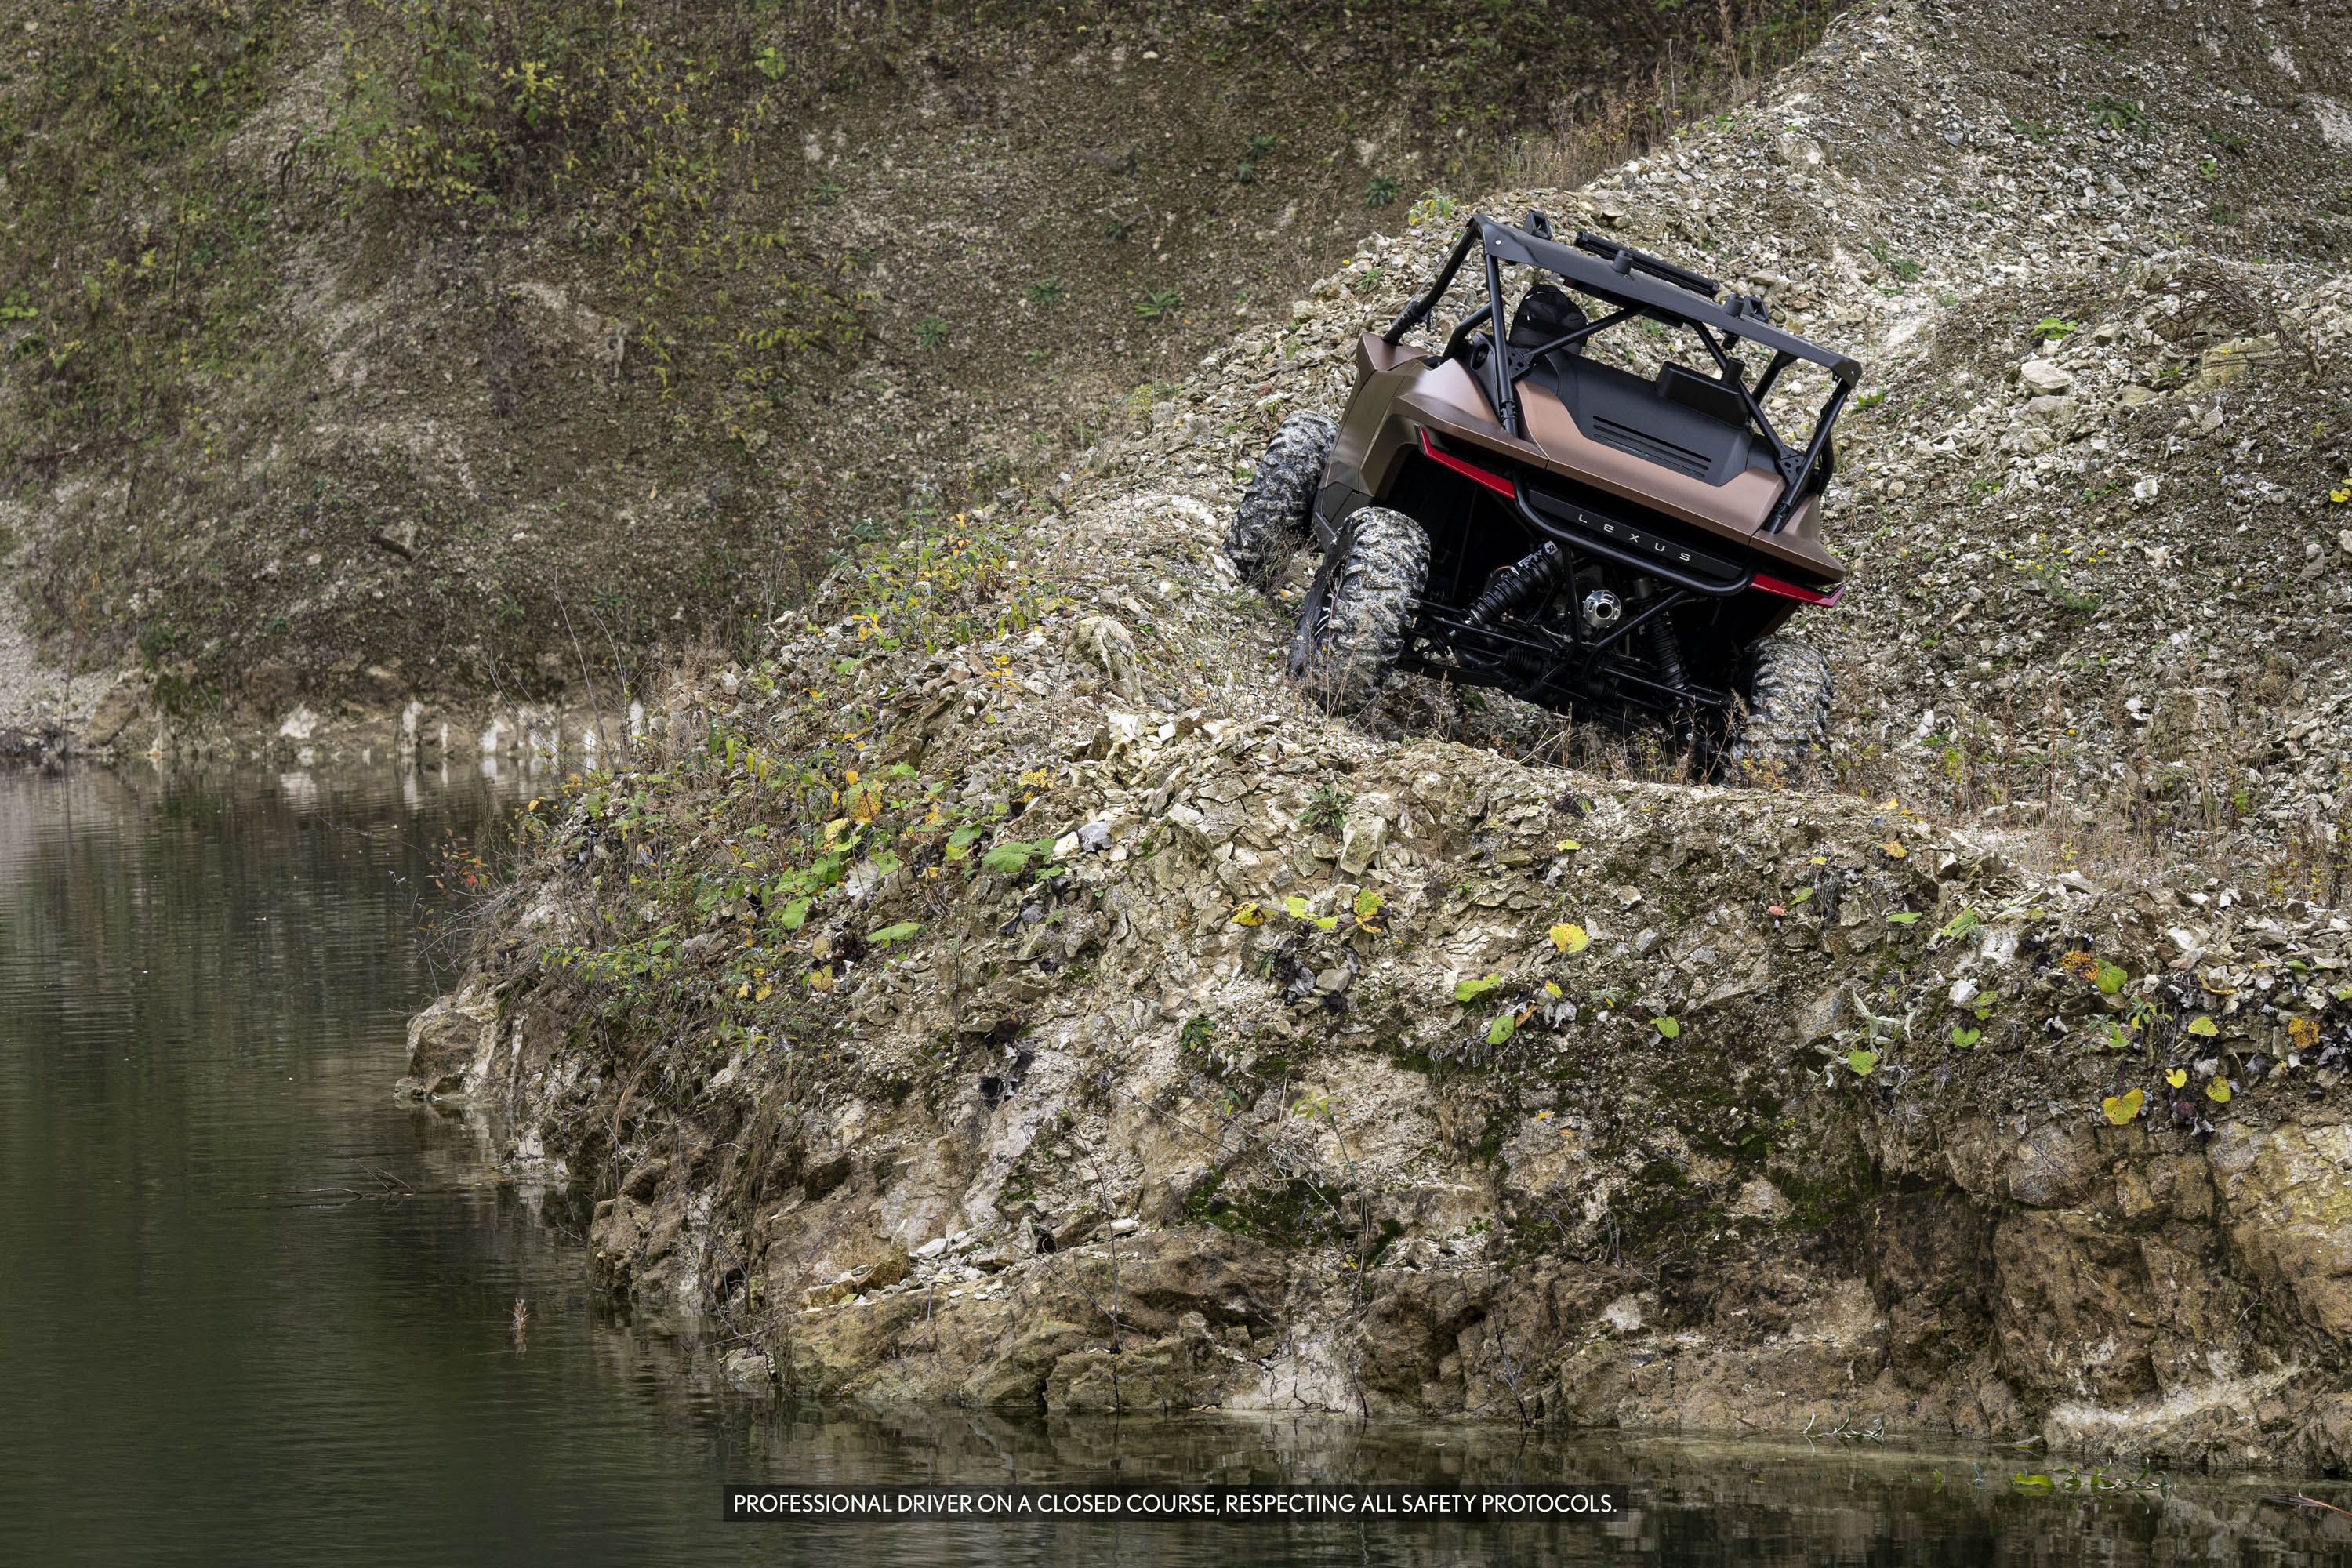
[{"x": 253, "y": 1310}]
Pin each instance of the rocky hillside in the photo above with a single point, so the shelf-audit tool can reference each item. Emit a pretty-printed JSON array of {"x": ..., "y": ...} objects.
[
  {"x": 1007, "y": 990},
  {"x": 388, "y": 357}
]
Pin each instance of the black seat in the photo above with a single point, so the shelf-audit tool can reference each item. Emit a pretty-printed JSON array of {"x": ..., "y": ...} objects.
[{"x": 1545, "y": 314}]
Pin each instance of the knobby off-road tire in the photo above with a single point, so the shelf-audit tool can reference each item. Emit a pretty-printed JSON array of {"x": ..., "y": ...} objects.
[
  {"x": 1353, "y": 627},
  {"x": 1786, "y": 687},
  {"x": 1273, "y": 519}
]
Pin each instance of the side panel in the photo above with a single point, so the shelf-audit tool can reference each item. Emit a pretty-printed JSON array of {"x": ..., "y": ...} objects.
[{"x": 1366, "y": 452}]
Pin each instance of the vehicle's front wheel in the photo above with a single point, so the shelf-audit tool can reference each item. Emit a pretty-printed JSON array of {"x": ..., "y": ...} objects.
[
  {"x": 1352, "y": 628},
  {"x": 1273, "y": 519},
  {"x": 1785, "y": 686}
]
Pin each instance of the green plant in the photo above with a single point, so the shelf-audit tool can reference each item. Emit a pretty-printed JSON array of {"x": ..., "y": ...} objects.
[
  {"x": 2117, "y": 114},
  {"x": 1014, "y": 855},
  {"x": 1047, "y": 292},
  {"x": 1326, "y": 809},
  {"x": 1871, "y": 399},
  {"x": 1902, "y": 267},
  {"x": 1434, "y": 206},
  {"x": 1159, "y": 302},
  {"x": 2053, "y": 329},
  {"x": 1379, "y": 191},
  {"x": 1246, "y": 172},
  {"x": 2222, "y": 214},
  {"x": 2208, "y": 170},
  {"x": 931, "y": 332}
]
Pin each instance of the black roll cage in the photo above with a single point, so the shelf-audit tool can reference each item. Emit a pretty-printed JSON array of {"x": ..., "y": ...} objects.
[{"x": 1638, "y": 284}]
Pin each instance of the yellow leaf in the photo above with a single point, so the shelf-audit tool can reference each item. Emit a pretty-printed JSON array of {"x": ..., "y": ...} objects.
[
  {"x": 821, "y": 979},
  {"x": 1570, "y": 938},
  {"x": 1895, "y": 850},
  {"x": 1569, "y": 844},
  {"x": 2178, "y": 1078},
  {"x": 2219, "y": 1091},
  {"x": 2121, "y": 1109},
  {"x": 2203, "y": 1027},
  {"x": 1249, "y": 915},
  {"x": 1821, "y": 860},
  {"x": 762, "y": 994},
  {"x": 2303, "y": 1032},
  {"x": 1551, "y": 989},
  {"x": 1366, "y": 903},
  {"x": 743, "y": 990}
]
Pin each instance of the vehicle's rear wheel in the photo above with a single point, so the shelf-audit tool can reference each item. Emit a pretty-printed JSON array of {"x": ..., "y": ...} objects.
[
  {"x": 1785, "y": 685},
  {"x": 1273, "y": 519},
  {"x": 1352, "y": 630}
]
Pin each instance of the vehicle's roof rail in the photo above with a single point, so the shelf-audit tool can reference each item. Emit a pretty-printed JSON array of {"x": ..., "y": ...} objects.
[
  {"x": 1628, "y": 277},
  {"x": 1656, "y": 287},
  {"x": 1625, "y": 258}
]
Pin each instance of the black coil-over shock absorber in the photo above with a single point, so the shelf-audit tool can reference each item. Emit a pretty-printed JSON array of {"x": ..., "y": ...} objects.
[
  {"x": 1522, "y": 582},
  {"x": 1665, "y": 649}
]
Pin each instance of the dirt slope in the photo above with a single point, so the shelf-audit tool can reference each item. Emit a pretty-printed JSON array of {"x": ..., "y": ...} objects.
[
  {"x": 387, "y": 359},
  {"x": 1006, "y": 990}
]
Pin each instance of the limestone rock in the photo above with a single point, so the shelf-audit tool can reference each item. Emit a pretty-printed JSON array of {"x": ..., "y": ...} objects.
[
  {"x": 2044, "y": 378},
  {"x": 1360, "y": 839},
  {"x": 2188, "y": 720},
  {"x": 1110, "y": 648},
  {"x": 123, "y": 702},
  {"x": 2288, "y": 1193},
  {"x": 1792, "y": 150},
  {"x": 447, "y": 1043}
]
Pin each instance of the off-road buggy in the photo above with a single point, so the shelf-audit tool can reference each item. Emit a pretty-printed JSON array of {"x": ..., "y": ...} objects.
[{"x": 1581, "y": 522}]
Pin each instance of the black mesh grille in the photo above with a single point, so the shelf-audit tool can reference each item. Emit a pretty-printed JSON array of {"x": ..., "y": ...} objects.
[{"x": 1641, "y": 443}]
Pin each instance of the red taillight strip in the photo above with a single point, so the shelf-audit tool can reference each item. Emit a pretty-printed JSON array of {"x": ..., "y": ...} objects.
[
  {"x": 1496, "y": 482},
  {"x": 1773, "y": 585},
  {"x": 1503, "y": 486}
]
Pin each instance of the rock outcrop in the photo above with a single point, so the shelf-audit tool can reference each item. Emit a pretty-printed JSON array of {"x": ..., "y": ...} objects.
[{"x": 1010, "y": 992}]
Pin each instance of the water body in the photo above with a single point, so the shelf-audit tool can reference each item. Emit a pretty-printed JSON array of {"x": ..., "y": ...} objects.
[{"x": 254, "y": 1310}]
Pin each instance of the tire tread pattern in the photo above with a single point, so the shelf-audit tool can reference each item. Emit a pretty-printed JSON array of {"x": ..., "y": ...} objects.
[
  {"x": 1273, "y": 518},
  {"x": 1787, "y": 687},
  {"x": 1374, "y": 587}
]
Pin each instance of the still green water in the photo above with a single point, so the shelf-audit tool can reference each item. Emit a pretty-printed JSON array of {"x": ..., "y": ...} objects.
[{"x": 253, "y": 1311}]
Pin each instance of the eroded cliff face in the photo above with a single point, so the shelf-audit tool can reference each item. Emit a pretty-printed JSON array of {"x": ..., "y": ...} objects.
[
  {"x": 1010, "y": 991},
  {"x": 1281, "y": 1067}
]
